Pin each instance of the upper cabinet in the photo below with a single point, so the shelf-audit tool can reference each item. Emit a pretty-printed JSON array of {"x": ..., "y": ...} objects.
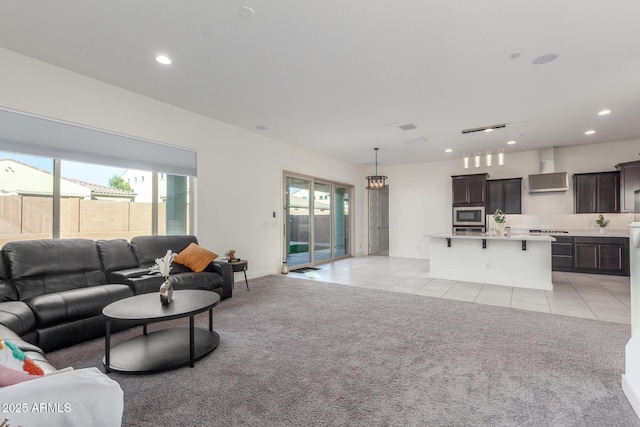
[
  {"x": 629, "y": 183},
  {"x": 504, "y": 194},
  {"x": 469, "y": 189},
  {"x": 596, "y": 192}
]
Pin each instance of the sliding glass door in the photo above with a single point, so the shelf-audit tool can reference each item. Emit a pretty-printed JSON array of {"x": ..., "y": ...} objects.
[
  {"x": 321, "y": 221},
  {"x": 317, "y": 221},
  {"x": 297, "y": 220},
  {"x": 341, "y": 220}
]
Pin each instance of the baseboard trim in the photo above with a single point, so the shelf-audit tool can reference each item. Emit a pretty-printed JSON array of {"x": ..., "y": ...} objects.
[{"x": 631, "y": 393}]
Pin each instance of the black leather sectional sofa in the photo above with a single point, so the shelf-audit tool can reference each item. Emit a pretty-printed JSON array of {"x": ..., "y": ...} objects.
[{"x": 52, "y": 291}]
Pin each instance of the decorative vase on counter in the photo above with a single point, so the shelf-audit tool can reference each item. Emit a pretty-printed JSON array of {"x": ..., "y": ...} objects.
[{"x": 601, "y": 230}]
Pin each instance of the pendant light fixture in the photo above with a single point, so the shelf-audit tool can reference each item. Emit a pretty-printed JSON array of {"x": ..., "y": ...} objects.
[
  {"x": 488, "y": 155},
  {"x": 376, "y": 182}
]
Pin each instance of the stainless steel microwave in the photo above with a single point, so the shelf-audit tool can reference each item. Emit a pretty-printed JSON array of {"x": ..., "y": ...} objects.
[{"x": 468, "y": 215}]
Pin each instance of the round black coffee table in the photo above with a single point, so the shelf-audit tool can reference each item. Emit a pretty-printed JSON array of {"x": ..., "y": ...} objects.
[{"x": 164, "y": 349}]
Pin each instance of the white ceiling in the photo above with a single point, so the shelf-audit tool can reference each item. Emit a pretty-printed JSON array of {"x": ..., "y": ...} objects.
[{"x": 338, "y": 77}]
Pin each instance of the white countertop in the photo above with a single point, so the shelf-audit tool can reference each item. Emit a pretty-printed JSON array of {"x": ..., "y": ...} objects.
[
  {"x": 519, "y": 235},
  {"x": 595, "y": 232},
  {"x": 479, "y": 236}
]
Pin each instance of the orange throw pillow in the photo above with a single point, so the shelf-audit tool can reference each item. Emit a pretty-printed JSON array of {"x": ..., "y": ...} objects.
[{"x": 195, "y": 257}]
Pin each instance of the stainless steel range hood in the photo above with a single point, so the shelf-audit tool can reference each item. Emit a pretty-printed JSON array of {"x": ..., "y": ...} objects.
[{"x": 548, "y": 179}]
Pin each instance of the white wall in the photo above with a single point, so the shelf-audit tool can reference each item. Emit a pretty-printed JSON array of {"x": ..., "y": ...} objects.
[
  {"x": 239, "y": 181},
  {"x": 240, "y": 172},
  {"x": 420, "y": 194}
]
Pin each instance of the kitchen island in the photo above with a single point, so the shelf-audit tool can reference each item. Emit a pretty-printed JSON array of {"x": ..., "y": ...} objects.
[{"x": 521, "y": 260}]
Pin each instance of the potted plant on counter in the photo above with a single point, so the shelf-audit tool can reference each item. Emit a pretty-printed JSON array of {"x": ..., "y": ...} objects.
[
  {"x": 500, "y": 219},
  {"x": 602, "y": 222}
]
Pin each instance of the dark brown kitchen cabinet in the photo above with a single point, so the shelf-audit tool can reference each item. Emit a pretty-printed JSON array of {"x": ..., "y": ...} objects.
[
  {"x": 595, "y": 255},
  {"x": 596, "y": 192},
  {"x": 562, "y": 254},
  {"x": 629, "y": 183},
  {"x": 504, "y": 194},
  {"x": 469, "y": 189},
  {"x": 605, "y": 255}
]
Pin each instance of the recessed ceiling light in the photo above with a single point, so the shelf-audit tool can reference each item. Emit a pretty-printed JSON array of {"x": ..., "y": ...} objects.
[
  {"x": 448, "y": 150},
  {"x": 511, "y": 142},
  {"x": 590, "y": 132},
  {"x": 604, "y": 112},
  {"x": 545, "y": 59},
  {"x": 164, "y": 60},
  {"x": 488, "y": 130},
  {"x": 247, "y": 12}
]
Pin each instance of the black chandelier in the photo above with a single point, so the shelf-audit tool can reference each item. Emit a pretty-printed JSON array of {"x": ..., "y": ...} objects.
[{"x": 376, "y": 182}]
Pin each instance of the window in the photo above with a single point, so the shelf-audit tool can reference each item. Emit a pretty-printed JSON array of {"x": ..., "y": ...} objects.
[
  {"x": 95, "y": 201},
  {"x": 173, "y": 205},
  {"x": 26, "y": 198}
]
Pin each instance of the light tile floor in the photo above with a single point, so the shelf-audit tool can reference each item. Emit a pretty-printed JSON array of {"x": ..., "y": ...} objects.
[{"x": 590, "y": 296}]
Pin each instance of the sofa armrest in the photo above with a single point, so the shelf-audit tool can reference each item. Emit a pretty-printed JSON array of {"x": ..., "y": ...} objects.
[
  {"x": 121, "y": 276},
  {"x": 226, "y": 271},
  {"x": 82, "y": 397},
  {"x": 17, "y": 316}
]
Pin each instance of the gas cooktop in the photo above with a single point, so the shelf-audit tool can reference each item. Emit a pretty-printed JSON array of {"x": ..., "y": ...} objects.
[{"x": 534, "y": 231}]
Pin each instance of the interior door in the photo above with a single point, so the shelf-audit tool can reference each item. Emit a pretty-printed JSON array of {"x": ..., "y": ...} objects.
[{"x": 379, "y": 222}]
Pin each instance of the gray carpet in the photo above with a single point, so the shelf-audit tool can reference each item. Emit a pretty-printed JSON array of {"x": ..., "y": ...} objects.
[{"x": 295, "y": 352}]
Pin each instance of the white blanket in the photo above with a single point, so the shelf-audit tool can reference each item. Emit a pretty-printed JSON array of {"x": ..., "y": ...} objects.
[{"x": 83, "y": 397}]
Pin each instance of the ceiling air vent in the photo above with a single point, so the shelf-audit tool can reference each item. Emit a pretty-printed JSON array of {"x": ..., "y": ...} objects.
[
  {"x": 408, "y": 126},
  {"x": 484, "y": 128}
]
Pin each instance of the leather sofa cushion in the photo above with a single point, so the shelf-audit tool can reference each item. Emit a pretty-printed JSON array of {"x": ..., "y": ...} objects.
[
  {"x": 116, "y": 254},
  {"x": 34, "y": 258},
  {"x": 148, "y": 248},
  {"x": 205, "y": 281},
  {"x": 17, "y": 316},
  {"x": 44, "y": 266},
  {"x": 75, "y": 304},
  {"x": 32, "y": 287},
  {"x": 63, "y": 335},
  {"x": 10, "y": 335},
  {"x": 7, "y": 289}
]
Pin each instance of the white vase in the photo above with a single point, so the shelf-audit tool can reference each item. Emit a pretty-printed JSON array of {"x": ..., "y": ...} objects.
[{"x": 601, "y": 230}]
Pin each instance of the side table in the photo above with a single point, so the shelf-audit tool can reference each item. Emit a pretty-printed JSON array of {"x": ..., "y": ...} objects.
[{"x": 239, "y": 266}]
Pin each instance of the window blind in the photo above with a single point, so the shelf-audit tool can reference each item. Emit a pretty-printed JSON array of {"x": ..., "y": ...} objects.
[{"x": 35, "y": 135}]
